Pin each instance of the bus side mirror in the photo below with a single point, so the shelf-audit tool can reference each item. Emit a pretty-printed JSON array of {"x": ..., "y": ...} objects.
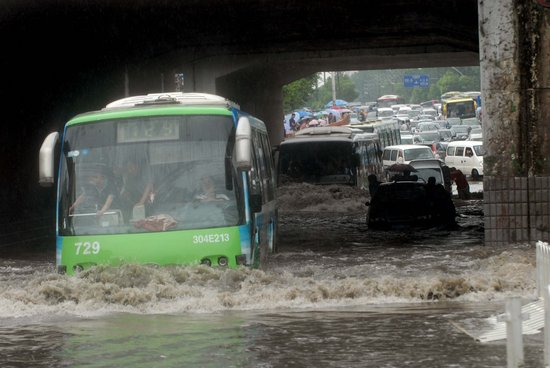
[
  {"x": 256, "y": 203},
  {"x": 243, "y": 145},
  {"x": 46, "y": 160}
]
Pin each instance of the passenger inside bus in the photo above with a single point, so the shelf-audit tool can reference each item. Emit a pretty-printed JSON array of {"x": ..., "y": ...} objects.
[
  {"x": 136, "y": 189},
  {"x": 96, "y": 195},
  {"x": 208, "y": 193}
]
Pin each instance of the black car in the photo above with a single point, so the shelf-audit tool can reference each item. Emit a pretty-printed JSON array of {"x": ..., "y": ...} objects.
[{"x": 407, "y": 204}]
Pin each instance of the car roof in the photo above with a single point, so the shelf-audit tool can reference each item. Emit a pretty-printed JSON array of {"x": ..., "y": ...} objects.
[{"x": 405, "y": 146}]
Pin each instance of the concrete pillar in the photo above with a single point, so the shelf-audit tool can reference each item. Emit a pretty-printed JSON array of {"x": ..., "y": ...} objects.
[
  {"x": 259, "y": 92},
  {"x": 515, "y": 85},
  {"x": 268, "y": 107}
]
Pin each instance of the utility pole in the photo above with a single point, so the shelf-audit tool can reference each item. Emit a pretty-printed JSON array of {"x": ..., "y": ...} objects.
[{"x": 333, "y": 88}]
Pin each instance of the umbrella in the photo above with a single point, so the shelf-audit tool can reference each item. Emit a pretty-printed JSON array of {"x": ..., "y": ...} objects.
[
  {"x": 401, "y": 168},
  {"x": 336, "y": 103},
  {"x": 301, "y": 113}
]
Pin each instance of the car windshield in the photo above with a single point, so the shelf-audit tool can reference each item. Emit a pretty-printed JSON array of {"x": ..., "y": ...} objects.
[
  {"x": 460, "y": 129},
  {"x": 430, "y": 136}
]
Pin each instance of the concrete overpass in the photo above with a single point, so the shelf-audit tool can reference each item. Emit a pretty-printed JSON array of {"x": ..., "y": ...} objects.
[{"x": 64, "y": 57}]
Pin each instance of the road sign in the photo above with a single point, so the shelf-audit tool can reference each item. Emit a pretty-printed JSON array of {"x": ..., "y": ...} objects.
[{"x": 411, "y": 81}]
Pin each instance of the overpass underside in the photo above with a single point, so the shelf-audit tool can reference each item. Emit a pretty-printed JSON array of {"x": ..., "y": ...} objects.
[{"x": 62, "y": 58}]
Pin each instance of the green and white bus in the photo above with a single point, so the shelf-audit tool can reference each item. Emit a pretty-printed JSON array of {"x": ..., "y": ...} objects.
[{"x": 162, "y": 179}]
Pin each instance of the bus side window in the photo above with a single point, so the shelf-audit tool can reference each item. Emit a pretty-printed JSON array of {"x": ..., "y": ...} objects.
[
  {"x": 267, "y": 164},
  {"x": 255, "y": 181},
  {"x": 259, "y": 163}
]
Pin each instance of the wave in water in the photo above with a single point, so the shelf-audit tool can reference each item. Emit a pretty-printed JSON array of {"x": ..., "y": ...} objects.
[{"x": 200, "y": 289}]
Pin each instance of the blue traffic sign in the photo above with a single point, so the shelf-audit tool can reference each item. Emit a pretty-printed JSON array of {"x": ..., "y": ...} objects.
[{"x": 411, "y": 81}]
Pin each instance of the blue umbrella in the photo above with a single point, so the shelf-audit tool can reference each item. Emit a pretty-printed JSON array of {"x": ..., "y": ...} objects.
[
  {"x": 336, "y": 103},
  {"x": 301, "y": 113}
]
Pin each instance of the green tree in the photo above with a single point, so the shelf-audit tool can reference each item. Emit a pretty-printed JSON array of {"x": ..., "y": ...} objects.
[
  {"x": 345, "y": 90},
  {"x": 297, "y": 94}
]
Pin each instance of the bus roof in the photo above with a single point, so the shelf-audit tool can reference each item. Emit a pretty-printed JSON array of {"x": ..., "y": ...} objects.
[
  {"x": 173, "y": 103},
  {"x": 325, "y": 130},
  {"x": 388, "y": 97},
  {"x": 187, "y": 99},
  {"x": 459, "y": 99}
]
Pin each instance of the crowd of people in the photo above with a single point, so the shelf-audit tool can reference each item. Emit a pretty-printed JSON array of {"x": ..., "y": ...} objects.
[{"x": 331, "y": 118}]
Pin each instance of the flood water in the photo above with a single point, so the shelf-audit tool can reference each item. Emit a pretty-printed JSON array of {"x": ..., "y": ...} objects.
[{"x": 336, "y": 295}]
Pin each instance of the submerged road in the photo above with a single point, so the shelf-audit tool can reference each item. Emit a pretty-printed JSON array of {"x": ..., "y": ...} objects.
[{"x": 335, "y": 295}]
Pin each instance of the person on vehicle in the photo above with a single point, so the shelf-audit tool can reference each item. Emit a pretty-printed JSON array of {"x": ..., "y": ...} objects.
[
  {"x": 374, "y": 183},
  {"x": 406, "y": 176},
  {"x": 469, "y": 152},
  {"x": 462, "y": 186},
  {"x": 447, "y": 178},
  {"x": 441, "y": 203},
  {"x": 362, "y": 115},
  {"x": 344, "y": 120},
  {"x": 208, "y": 193},
  {"x": 97, "y": 194},
  {"x": 136, "y": 187}
]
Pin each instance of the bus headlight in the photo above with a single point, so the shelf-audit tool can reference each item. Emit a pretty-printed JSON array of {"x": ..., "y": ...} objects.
[{"x": 206, "y": 261}]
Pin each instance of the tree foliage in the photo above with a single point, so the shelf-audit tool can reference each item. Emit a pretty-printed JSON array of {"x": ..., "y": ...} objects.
[
  {"x": 368, "y": 85},
  {"x": 297, "y": 94},
  {"x": 306, "y": 92}
]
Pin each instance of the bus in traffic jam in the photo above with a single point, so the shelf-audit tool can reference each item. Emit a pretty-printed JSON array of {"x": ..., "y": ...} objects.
[{"x": 162, "y": 179}]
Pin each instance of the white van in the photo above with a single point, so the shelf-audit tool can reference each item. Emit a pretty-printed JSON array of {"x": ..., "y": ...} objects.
[
  {"x": 466, "y": 156},
  {"x": 405, "y": 153}
]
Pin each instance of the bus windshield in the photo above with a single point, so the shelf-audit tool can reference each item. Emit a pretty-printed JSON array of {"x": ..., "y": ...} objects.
[
  {"x": 146, "y": 174},
  {"x": 317, "y": 162},
  {"x": 461, "y": 108}
]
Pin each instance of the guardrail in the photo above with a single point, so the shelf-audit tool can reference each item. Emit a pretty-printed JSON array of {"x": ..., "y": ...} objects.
[
  {"x": 516, "y": 316},
  {"x": 518, "y": 320}
]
